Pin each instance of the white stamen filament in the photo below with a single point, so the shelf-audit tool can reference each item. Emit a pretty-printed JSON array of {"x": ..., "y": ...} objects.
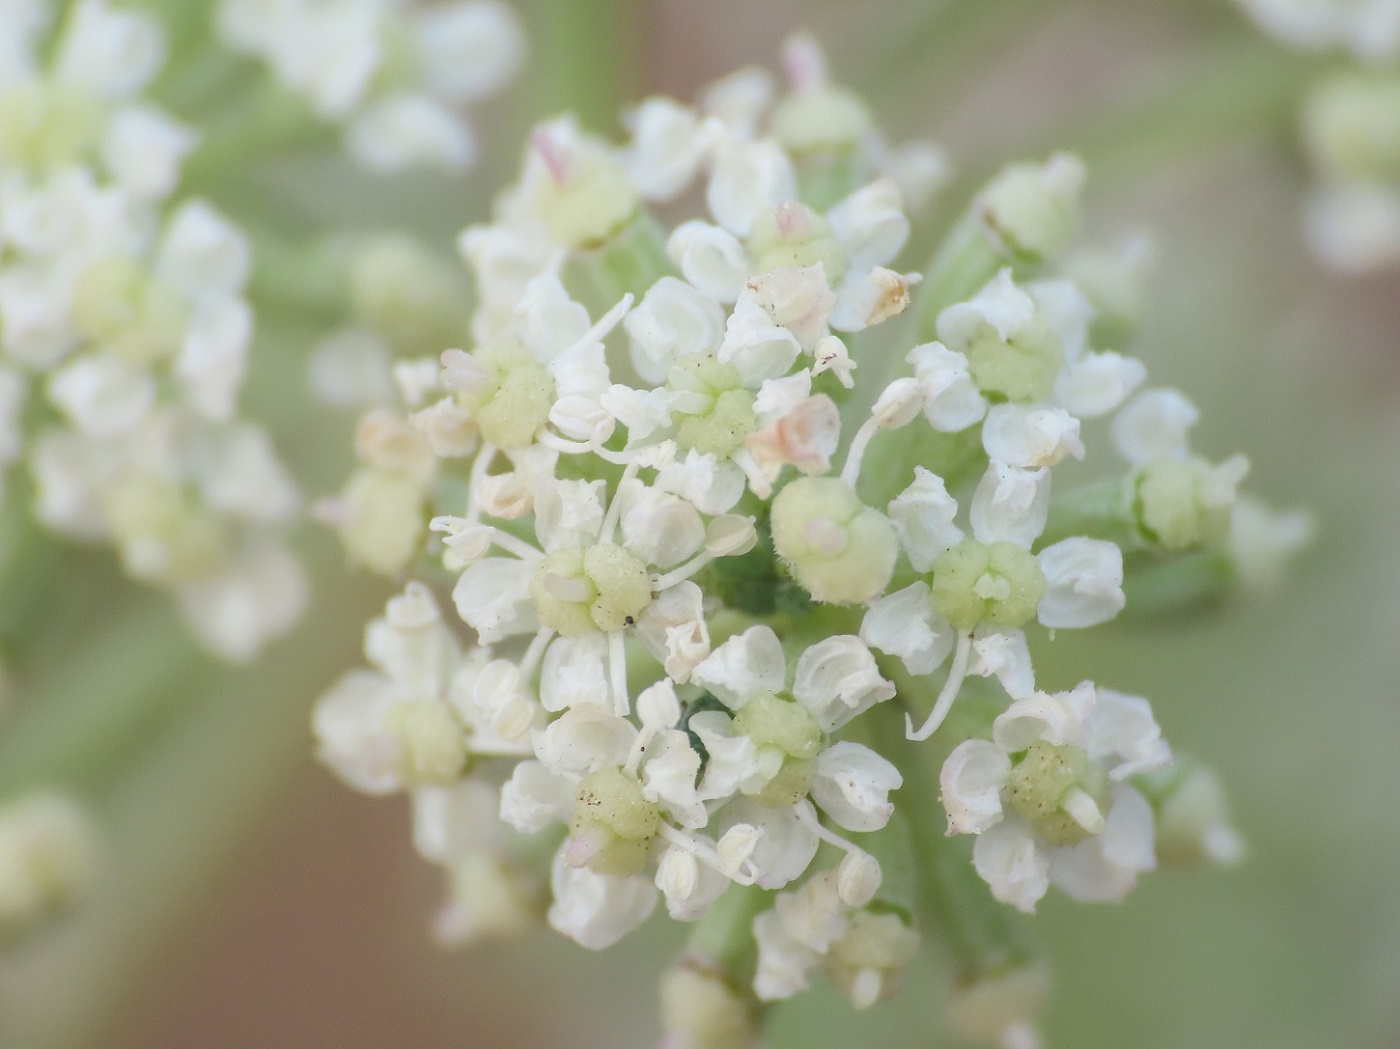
[
  {"x": 681, "y": 573},
  {"x": 535, "y": 652},
  {"x": 708, "y": 855},
  {"x": 605, "y": 533},
  {"x": 484, "y": 458},
  {"x": 617, "y": 673},
  {"x": 1083, "y": 810},
  {"x": 807, "y": 816},
  {"x": 568, "y": 447},
  {"x": 850, "y": 472},
  {"x": 606, "y": 323},
  {"x": 956, "y": 673},
  {"x": 515, "y": 545}
]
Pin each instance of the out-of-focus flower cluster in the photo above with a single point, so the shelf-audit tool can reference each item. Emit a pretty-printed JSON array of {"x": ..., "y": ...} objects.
[
  {"x": 124, "y": 331},
  {"x": 708, "y": 495},
  {"x": 393, "y": 75},
  {"x": 1350, "y": 126}
]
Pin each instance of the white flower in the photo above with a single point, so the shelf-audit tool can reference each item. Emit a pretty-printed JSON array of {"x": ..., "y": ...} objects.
[
  {"x": 1048, "y": 795},
  {"x": 853, "y": 784},
  {"x": 112, "y": 53},
  {"x": 1077, "y": 582},
  {"x": 393, "y": 727},
  {"x": 406, "y": 131},
  {"x": 1368, "y": 28},
  {"x": 597, "y": 910}
]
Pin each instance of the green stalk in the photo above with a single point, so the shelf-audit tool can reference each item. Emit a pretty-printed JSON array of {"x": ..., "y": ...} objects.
[
  {"x": 173, "y": 823},
  {"x": 269, "y": 121},
  {"x": 76, "y": 727},
  {"x": 954, "y": 906},
  {"x": 1181, "y": 584},
  {"x": 724, "y": 936},
  {"x": 584, "y": 58},
  {"x": 964, "y": 262},
  {"x": 1100, "y": 510}
]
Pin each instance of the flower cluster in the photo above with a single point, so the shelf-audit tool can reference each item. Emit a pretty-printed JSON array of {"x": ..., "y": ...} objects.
[
  {"x": 703, "y": 529},
  {"x": 394, "y": 77},
  {"x": 1348, "y": 126},
  {"x": 127, "y": 312}
]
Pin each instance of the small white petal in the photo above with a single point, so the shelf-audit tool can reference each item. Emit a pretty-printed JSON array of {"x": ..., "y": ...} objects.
[
  {"x": 837, "y": 679},
  {"x": 1011, "y": 505},
  {"x": 971, "y": 781},
  {"x": 903, "y": 624},
  {"x": 742, "y": 667},
  {"x": 853, "y": 784},
  {"x": 1083, "y": 583},
  {"x": 1009, "y": 860},
  {"x": 1153, "y": 425}
]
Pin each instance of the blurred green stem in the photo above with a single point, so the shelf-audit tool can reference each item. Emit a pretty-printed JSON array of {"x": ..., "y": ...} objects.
[
  {"x": 585, "y": 57},
  {"x": 78, "y": 726},
  {"x": 724, "y": 936},
  {"x": 954, "y": 906},
  {"x": 271, "y": 121},
  {"x": 1181, "y": 584},
  {"x": 172, "y": 824}
]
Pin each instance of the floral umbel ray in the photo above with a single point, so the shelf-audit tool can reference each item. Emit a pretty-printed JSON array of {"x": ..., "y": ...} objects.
[{"x": 732, "y": 531}]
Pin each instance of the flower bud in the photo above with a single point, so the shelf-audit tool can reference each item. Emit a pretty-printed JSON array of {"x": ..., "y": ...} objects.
[
  {"x": 858, "y": 879},
  {"x": 1000, "y": 1009},
  {"x": 793, "y": 236},
  {"x": 430, "y": 742},
  {"x": 407, "y": 293},
  {"x": 585, "y": 197},
  {"x": 869, "y": 962},
  {"x": 1032, "y": 210},
  {"x": 379, "y": 516},
  {"x": 701, "y": 1010},
  {"x": 839, "y": 549},
  {"x": 1186, "y": 503},
  {"x": 47, "y": 859}
]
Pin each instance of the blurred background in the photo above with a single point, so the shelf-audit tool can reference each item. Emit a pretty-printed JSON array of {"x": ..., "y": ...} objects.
[{"x": 250, "y": 900}]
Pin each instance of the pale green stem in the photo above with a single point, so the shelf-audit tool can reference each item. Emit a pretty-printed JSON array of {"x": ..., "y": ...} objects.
[
  {"x": 172, "y": 824},
  {"x": 271, "y": 121},
  {"x": 308, "y": 276},
  {"x": 1100, "y": 510},
  {"x": 78, "y": 725},
  {"x": 1238, "y": 86},
  {"x": 965, "y": 261},
  {"x": 584, "y": 57},
  {"x": 954, "y": 906},
  {"x": 1180, "y": 584},
  {"x": 629, "y": 263},
  {"x": 724, "y": 936}
]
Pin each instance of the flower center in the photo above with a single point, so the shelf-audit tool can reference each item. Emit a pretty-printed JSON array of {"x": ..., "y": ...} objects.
[
  {"x": 511, "y": 397},
  {"x": 714, "y": 412},
  {"x": 1022, "y": 368},
  {"x": 793, "y": 236},
  {"x": 839, "y": 549},
  {"x": 603, "y": 587},
  {"x": 996, "y": 583},
  {"x": 613, "y": 824},
  {"x": 785, "y": 730},
  {"x": 1060, "y": 791}
]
